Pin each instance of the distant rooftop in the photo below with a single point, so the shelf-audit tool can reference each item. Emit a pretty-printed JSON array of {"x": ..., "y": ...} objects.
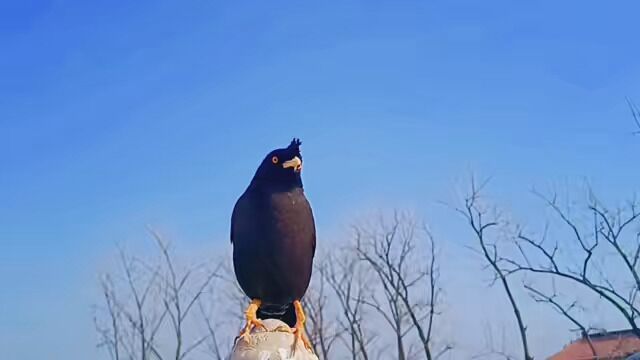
[
  {"x": 614, "y": 345},
  {"x": 608, "y": 334}
]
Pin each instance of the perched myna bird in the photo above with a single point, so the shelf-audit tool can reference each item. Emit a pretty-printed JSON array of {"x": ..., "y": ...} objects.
[{"x": 274, "y": 241}]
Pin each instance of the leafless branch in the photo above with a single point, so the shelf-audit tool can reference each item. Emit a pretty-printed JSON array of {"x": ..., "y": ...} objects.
[
  {"x": 144, "y": 299},
  {"x": 322, "y": 333},
  {"x": 607, "y": 225},
  {"x": 343, "y": 274},
  {"x": 475, "y": 217},
  {"x": 389, "y": 248},
  {"x": 214, "y": 345},
  {"x": 635, "y": 112},
  {"x": 565, "y": 311},
  {"x": 178, "y": 302}
]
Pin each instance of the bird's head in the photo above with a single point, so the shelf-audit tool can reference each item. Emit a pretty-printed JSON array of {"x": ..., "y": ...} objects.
[{"x": 281, "y": 167}]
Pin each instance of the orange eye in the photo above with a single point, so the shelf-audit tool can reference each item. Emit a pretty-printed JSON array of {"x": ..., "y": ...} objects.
[{"x": 274, "y": 159}]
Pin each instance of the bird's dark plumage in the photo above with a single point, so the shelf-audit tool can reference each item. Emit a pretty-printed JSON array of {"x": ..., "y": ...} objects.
[{"x": 273, "y": 235}]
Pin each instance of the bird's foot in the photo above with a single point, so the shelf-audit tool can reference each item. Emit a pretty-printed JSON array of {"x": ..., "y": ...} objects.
[
  {"x": 301, "y": 335},
  {"x": 299, "y": 331},
  {"x": 252, "y": 321}
]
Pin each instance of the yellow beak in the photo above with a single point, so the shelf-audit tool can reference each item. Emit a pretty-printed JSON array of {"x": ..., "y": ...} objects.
[{"x": 294, "y": 163}]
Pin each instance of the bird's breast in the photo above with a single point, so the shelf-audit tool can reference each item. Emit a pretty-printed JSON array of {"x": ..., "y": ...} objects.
[{"x": 291, "y": 216}]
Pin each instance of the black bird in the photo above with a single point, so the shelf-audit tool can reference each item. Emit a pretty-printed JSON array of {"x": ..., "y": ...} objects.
[{"x": 274, "y": 240}]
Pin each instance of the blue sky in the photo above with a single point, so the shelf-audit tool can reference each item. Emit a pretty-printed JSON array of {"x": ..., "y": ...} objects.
[{"x": 114, "y": 115}]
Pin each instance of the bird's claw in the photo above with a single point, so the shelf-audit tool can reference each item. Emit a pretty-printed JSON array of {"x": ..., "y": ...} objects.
[
  {"x": 251, "y": 324},
  {"x": 300, "y": 335},
  {"x": 252, "y": 321},
  {"x": 298, "y": 330}
]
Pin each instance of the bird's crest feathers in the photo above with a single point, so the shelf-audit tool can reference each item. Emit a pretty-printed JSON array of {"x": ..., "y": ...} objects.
[{"x": 295, "y": 145}]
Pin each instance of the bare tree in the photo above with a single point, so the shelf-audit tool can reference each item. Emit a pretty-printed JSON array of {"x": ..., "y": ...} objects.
[
  {"x": 215, "y": 348},
  {"x": 323, "y": 331},
  {"x": 180, "y": 299},
  {"x": 148, "y": 300},
  {"x": 608, "y": 237},
  {"x": 133, "y": 322},
  {"x": 564, "y": 310},
  {"x": 476, "y": 217},
  {"x": 110, "y": 333},
  {"x": 495, "y": 347},
  {"x": 395, "y": 249},
  {"x": 344, "y": 275},
  {"x": 156, "y": 308}
]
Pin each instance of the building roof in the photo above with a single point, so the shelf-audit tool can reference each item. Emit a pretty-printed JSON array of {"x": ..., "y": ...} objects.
[{"x": 615, "y": 344}]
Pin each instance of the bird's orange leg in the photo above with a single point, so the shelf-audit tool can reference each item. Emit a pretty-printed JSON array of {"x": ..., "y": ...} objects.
[
  {"x": 299, "y": 332},
  {"x": 252, "y": 319}
]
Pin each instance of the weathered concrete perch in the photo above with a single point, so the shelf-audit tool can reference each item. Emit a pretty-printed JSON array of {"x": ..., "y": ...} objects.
[{"x": 270, "y": 345}]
